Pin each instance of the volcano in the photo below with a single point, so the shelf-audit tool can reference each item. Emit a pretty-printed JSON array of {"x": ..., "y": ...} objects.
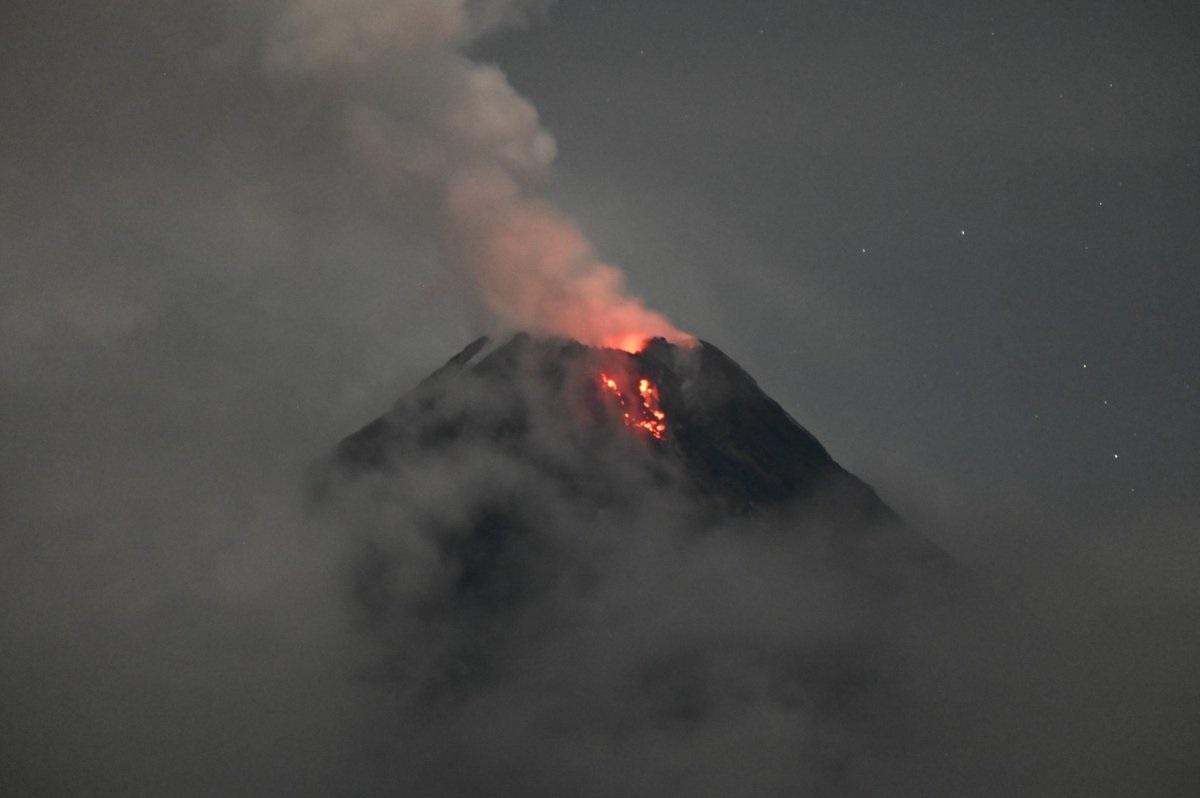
[
  {"x": 579, "y": 568},
  {"x": 605, "y": 427}
]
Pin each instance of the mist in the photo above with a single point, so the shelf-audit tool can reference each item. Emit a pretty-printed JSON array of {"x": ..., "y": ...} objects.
[{"x": 227, "y": 241}]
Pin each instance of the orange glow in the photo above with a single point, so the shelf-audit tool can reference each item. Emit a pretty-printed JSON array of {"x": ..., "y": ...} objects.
[
  {"x": 630, "y": 342},
  {"x": 648, "y": 416},
  {"x": 537, "y": 270}
]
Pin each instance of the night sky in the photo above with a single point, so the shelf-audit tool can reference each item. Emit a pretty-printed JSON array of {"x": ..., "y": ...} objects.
[{"x": 958, "y": 242}]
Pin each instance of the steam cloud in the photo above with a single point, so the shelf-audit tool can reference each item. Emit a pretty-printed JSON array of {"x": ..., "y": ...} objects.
[{"x": 424, "y": 118}]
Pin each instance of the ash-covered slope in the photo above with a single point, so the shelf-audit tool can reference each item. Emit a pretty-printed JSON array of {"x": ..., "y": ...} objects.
[{"x": 724, "y": 443}]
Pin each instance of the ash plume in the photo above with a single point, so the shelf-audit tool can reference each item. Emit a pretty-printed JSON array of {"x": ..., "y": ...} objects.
[{"x": 433, "y": 128}]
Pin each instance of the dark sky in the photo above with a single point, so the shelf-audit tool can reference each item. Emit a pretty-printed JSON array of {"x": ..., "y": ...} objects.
[
  {"x": 957, "y": 241},
  {"x": 915, "y": 223}
]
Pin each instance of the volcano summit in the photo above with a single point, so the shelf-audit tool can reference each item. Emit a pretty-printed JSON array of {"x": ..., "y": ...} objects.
[
  {"x": 682, "y": 419},
  {"x": 585, "y": 571}
]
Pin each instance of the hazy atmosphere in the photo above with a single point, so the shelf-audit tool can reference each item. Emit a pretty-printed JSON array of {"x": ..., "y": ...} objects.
[{"x": 956, "y": 241}]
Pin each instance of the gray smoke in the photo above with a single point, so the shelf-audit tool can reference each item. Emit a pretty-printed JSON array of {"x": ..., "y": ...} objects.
[{"x": 440, "y": 132}]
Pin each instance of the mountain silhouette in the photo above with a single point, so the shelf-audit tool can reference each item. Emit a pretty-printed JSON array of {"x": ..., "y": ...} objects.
[
  {"x": 725, "y": 445},
  {"x": 567, "y": 549}
]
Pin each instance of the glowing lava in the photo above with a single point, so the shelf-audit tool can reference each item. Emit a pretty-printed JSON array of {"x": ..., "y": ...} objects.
[{"x": 648, "y": 415}]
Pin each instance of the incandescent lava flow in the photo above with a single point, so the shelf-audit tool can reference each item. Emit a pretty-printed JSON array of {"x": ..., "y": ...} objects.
[{"x": 647, "y": 415}]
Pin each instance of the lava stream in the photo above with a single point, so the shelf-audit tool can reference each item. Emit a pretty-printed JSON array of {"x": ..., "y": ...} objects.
[{"x": 648, "y": 415}]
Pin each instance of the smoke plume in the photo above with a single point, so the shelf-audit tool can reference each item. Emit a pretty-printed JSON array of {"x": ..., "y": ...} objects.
[{"x": 429, "y": 124}]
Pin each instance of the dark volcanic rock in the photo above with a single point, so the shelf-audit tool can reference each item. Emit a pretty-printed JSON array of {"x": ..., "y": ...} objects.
[
  {"x": 734, "y": 439},
  {"x": 728, "y": 445}
]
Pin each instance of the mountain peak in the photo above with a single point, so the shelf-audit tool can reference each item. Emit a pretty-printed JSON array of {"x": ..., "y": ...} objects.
[
  {"x": 734, "y": 439},
  {"x": 689, "y": 417}
]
